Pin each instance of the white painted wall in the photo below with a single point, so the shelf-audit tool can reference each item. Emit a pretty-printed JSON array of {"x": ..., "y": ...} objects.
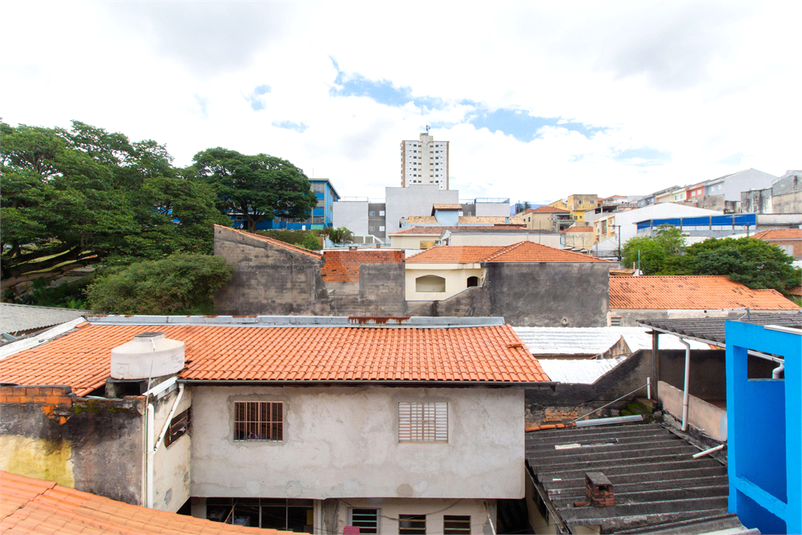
[
  {"x": 343, "y": 442},
  {"x": 456, "y": 276},
  {"x": 171, "y": 464},
  {"x": 414, "y": 200},
  {"x": 494, "y": 209}
]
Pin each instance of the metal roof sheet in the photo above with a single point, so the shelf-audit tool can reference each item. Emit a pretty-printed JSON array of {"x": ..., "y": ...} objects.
[
  {"x": 591, "y": 340},
  {"x": 578, "y": 371},
  {"x": 15, "y": 318}
]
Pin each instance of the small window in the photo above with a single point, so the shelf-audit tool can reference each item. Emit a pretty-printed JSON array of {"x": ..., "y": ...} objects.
[
  {"x": 178, "y": 428},
  {"x": 381, "y": 212},
  {"x": 367, "y": 520},
  {"x": 430, "y": 283},
  {"x": 423, "y": 421},
  {"x": 473, "y": 281},
  {"x": 615, "y": 321},
  {"x": 381, "y": 228},
  {"x": 259, "y": 420},
  {"x": 456, "y": 524},
  {"x": 372, "y": 228},
  {"x": 372, "y": 212},
  {"x": 411, "y": 524}
]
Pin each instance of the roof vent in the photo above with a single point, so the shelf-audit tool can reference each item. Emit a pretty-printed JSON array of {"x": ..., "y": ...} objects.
[{"x": 147, "y": 355}]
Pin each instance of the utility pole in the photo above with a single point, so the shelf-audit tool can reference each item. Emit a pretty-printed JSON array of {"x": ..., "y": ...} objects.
[{"x": 618, "y": 233}]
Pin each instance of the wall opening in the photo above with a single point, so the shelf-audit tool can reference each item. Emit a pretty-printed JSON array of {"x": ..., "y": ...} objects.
[
  {"x": 473, "y": 281},
  {"x": 430, "y": 283}
]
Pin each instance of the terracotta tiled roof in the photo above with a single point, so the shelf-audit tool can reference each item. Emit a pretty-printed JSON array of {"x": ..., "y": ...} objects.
[
  {"x": 698, "y": 292},
  {"x": 437, "y": 230},
  {"x": 779, "y": 234},
  {"x": 548, "y": 209},
  {"x": 343, "y": 266},
  {"x": 81, "y": 359},
  {"x": 41, "y": 507},
  {"x": 490, "y": 220},
  {"x": 421, "y": 219},
  {"x": 272, "y": 241},
  {"x": 796, "y": 291},
  {"x": 579, "y": 229},
  {"x": 446, "y": 207},
  {"x": 523, "y": 251}
]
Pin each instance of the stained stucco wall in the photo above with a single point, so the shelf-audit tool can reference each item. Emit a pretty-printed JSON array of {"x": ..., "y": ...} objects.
[
  {"x": 343, "y": 442},
  {"x": 171, "y": 464}
]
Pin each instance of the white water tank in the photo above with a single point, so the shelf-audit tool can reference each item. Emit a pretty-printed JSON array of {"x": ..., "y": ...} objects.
[{"x": 147, "y": 355}]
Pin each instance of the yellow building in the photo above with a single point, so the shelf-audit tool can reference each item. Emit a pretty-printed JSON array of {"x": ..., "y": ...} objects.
[{"x": 577, "y": 204}]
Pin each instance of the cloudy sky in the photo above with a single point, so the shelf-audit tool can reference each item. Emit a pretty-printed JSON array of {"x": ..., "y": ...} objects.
[{"x": 538, "y": 99}]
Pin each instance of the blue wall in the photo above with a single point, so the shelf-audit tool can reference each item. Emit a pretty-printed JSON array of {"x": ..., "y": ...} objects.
[
  {"x": 765, "y": 431},
  {"x": 321, "y": 216}
]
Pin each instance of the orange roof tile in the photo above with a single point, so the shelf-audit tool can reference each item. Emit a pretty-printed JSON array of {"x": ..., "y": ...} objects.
[
  {"x": 579, "y": 229},
  {"x": 437, "y": 230},
  {"x": 81, "y": 359},
  {"x": 272, "y": 241},
  {"x": 343, "y": 266},
  {"x": 523, "y": 251},
  {"x": 779, "y": 234},
  {"x": 29, "y": 505},
  {"x": 796, "y": 291},
  {"x": 548, "y": 209},
  {"x": 446, "y": 207},
  {"x": 692, "y": 292}
]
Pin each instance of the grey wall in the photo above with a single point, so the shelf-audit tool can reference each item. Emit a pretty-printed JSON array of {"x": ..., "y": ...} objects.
[
  {"x": 352, "y": 215},
  {"x": 533, "y": 294},
  {"x": 414, "y": 200},
  {"x": 497, "y": 209}
]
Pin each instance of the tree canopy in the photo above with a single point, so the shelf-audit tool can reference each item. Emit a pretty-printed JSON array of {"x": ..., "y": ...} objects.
[
  {"x": 177, "y": 284},
  {"x": 752, "y": 262},
  {"x": 259, "y": 187},
  {"x": 76, "y": 197}
]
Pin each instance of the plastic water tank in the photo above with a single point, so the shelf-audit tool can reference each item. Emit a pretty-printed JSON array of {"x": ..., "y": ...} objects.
[{"x": 147, "y": 355}]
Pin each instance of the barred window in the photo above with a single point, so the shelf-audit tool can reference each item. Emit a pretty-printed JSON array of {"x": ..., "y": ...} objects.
[
  {"x": 422, "y": 421},
  {"x": 411, "y": 524},
  {"x": 259, "y": 420},
  {"x": 367, "y": 520},
  {"x": 456, "y": 524}
]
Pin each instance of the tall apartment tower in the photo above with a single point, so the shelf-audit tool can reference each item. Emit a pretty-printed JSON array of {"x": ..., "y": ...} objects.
[{"x": 424, "y": 162}]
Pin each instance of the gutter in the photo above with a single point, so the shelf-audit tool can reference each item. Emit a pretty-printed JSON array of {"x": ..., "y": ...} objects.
[{"x": 685, "y": 393}]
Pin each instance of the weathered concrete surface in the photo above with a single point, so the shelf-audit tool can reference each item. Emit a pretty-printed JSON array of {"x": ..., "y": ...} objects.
[
  {"x": 342, "y": 442},
  {"x": 93, "y": 445},
  {"x": 702, "y": 415}
]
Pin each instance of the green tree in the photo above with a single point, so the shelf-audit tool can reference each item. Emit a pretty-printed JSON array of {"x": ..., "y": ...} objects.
[
  {"x": 259, "y": 187},
  {"x": 310, "y": 242},
  {"x": 666, "y": 242},
  {"x": 752, "y": 262},
  {"x": 339, "y": 235},
  {"x": 178, "y": 284}
]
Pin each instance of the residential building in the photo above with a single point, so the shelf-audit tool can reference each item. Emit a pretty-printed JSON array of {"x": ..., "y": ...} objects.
[
  {"x": 731, "y": 186},
  {"x": 789, "y": 240},
  {"x": 579, "y": 238},
  {"x": 695, "y": 191},
  {"x": 424, "y": 161},
  {"x": 306, "y": 424},
  {"x": 423, "y": 237},
  {"x": 674, "y": 194},
  {"x": 634, "y": 299},
  {"x": 579, "y": 203},
  {"x": 786, "y": 193},
  {"x": 547, "y": 218}
]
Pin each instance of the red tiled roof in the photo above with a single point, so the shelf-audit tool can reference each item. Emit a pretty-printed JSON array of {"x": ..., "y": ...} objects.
[
  {"x": 548, "y": 209},
  {"x": 437, "y": 230},
  {"x": 579, "y": 229},
  {"x": 35, "y": 506},
  {"x": 446, "y": 207},
  {"x": 796, "y": 291},
  {"x": 523, "y": 251},
  {"x": 343, "y": 266},
  {"x": 692, "y": 292},
  {"x": 779, "y": 234},
  {"x": 272, "y": 241},
  {"x": 81, "y": 359}
]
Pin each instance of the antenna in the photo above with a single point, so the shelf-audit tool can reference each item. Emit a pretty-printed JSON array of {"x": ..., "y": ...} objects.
[{"x": 427, "y": 129}]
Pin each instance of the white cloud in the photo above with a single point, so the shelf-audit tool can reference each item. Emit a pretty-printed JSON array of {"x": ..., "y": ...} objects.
[{"x": 703, "y": 83}]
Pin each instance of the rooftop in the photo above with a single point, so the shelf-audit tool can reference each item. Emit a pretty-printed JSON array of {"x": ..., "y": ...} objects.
[
  {"x": 711, "y": 330},
  {"x": 779, "y": 234},
  {"x": 591, "y": 340},
  {"x": 244, "y": 351},
  {"x": 523, "y": 251},
  {"x": 547, "y": 209},
  {"x": 16, "y": 318},
  {"x": 436, "y": 230},
  {"x": 272, "y": 241},
  {"x": 35, "y": 506},
  {"x": 654, "y": 476},
  {"x": 691, "y": 292},
  {"x": 446, "y": 207},
  {"x": 579, "y": 229}
]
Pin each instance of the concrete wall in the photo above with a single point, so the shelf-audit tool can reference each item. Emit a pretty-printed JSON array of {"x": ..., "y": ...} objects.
[
  {"x": 172, "y": 464},
  {"x": 342, "y": 442},
  {"x": 704, "y": 416},
  {"x": 533, "y": 294},
  {"x": 93, "y": 445},
  {"x": 414, "y": 200},
  {"x": 456, "y": 280},
  {"x": 732, "y": 186},
  {"x": 552, "y": 239},
  {"x": 378, "y": 220},
  {"x": 412, "y": 242},
  {"x": 495, "y": 209},
  {"x": 352, "y": 215}
]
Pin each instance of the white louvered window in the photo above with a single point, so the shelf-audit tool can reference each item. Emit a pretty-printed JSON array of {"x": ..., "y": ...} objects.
[{"x": 423, "y": 421}]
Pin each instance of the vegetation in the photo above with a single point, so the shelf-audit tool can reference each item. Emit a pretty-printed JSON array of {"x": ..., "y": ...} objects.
[
  {"x": 752, "y": 262},
  {"x": 258, "y": 187},
  {"x": 178, "y": 284},
  {"x": 339, "y": 235}
]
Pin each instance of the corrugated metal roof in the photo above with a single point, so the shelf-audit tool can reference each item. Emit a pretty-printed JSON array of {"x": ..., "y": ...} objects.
[
  {"x": 712, "y": 329},
  {"x": 581, "y": 371},
  {"x": 15, "y": 318},
  {"x": 591, "y": 340},
  {"x": 654, "y": 476}
]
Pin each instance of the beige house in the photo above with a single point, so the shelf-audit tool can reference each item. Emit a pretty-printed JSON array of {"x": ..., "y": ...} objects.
[
  {"x": 578, "y": 238},
  {"x": 546, "y": 218}
]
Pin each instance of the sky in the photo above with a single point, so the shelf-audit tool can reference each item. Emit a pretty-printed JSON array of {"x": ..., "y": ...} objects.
[{"x": 539, "y": 100}]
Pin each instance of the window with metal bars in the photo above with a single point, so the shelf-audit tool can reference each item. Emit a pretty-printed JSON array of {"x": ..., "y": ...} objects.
[
  {"x": 456, "y": 524},
  {"x": 367, "y": 520},
  {"x": 412, "y": 524},
  {"x": 423, "y": 421},
  {"x": 259, "y": 420}
]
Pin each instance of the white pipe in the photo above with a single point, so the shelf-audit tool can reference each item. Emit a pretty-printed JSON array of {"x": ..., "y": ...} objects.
[
  {"x": 775, "y": 373},
  {"x": 685, "y": 393},
  {"x": 492, "y": 527},
  {"x": 610, "y": 421},
  {"x": 169, "y": 417},
  {"x": 149, "y": 475},
  {"x": 708, "y": 452},
  {"x": 648, "y": 388}
]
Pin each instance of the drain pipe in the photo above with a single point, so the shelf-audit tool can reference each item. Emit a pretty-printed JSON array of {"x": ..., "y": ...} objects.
[
  {"x": 685, "y": 394},
  {"x": 775, "y": 373},
  {"x": 151, "y": 451}
]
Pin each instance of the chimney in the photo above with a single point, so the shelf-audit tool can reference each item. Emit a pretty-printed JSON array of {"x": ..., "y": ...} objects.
[{"x": 599, "y": 490}]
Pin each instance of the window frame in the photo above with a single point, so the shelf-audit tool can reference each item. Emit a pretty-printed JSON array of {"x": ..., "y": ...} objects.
[
  {"x": 423, "y": 422},
  {"x": 364, "y": 519},
  {"x": 273, "y": 426},
  {"x": 179, "y": 426},
  {"x": 455, "y": 524},
  {"x": 417, "y": 528}
]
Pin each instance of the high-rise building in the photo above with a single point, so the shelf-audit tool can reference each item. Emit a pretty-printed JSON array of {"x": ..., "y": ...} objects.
[{"x": 424, "y": 162}]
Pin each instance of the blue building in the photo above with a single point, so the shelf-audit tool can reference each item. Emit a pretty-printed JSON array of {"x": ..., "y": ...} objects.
[
  {"x": 765, "y": 429},
  {"x": 321, "y": 215}
]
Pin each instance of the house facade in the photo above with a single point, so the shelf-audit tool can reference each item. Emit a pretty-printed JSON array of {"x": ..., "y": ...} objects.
[{"x": 306, "y": 424}]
